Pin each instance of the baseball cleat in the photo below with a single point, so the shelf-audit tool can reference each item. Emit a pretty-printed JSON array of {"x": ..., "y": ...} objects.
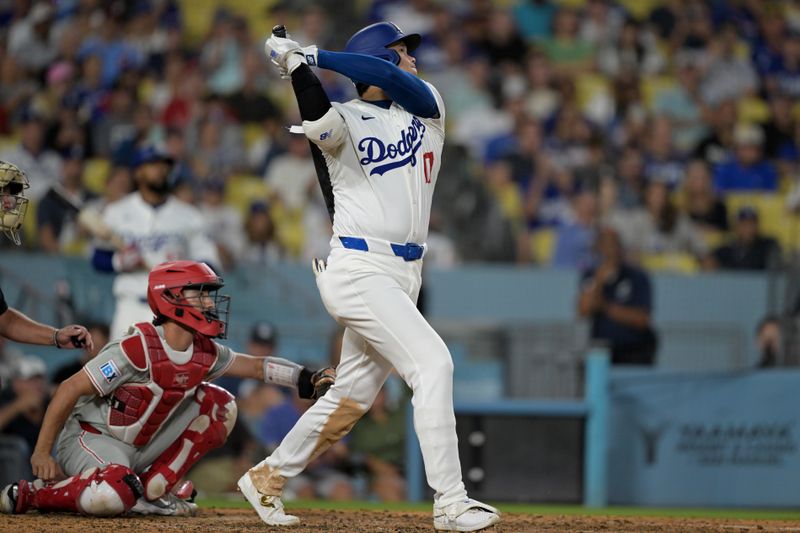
[
  {"x": 269, "y": 508},
  {"x": 8, "y": 498},
  {"x": 467, "y": 515},
  {"x": 167, "y": 505},
  {"x": 185, "y": 491},
  {"x": 16, "y": 497}
]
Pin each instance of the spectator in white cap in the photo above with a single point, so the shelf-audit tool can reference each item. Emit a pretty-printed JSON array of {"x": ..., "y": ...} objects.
[{"x": 22, "y": 407}]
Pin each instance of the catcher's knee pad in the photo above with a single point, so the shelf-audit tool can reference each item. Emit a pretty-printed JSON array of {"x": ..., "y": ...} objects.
[
  {"x": 205, "y": 432},
  {"x": 109, "y": 491}
]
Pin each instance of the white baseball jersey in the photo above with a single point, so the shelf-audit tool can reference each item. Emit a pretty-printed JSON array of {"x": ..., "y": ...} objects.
[
  {"x": 172, "y": 231},
  {"x": 383, "y": 165}
]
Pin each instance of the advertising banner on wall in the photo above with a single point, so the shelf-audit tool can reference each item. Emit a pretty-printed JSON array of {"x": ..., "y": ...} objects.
[{"x": 705, "y": 440}]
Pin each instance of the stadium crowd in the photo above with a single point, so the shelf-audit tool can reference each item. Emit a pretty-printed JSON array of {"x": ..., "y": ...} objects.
[{"x": 673, "y": 121}]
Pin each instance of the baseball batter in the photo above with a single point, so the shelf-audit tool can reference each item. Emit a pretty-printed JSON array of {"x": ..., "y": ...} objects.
[
  {"x": 151, "y": 227},
  {"x": 134, "y": 419},
  {"x": 377, "y": 159}
]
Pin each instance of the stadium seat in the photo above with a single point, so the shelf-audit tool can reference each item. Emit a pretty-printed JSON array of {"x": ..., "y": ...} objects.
[
  {"x": 252, "y": 132},
  {"x": 714, "y": 239},
  {"x": 652, "y": 86},
  {"x": 681, "y": 263},
  {"x": 244, "y": 189},
  {"x": 509, "y": 197},
  {"x": 543, "y": 245},
  {"x": 639, "y": 9},
  {"x": 7, "y": 142},
  {"x": 95, "y": 174},
  {"x": 743, "y": 50},
  {"x": 574, "y": 4},
  {"x": 289, "y": 229},
  {"x": 590, "y": 86},
  {"x": 753, "y": 110},
  {"x": 197, "y": 16},
  {"x": 256, "y": 13}
]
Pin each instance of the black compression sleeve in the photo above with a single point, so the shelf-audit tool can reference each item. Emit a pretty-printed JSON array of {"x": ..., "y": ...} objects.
[
  {"x": 305, "y": 389},
  {"x": 311, "y": 97}
]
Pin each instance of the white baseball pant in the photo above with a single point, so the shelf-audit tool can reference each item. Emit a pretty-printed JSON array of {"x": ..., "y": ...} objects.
[{"x": 374, "y": 297}]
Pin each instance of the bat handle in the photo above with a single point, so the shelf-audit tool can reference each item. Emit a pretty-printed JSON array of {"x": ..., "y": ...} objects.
[{"x": 279, "y": 30}]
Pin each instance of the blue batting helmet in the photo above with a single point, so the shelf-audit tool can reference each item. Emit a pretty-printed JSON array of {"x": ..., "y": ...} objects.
[{"x": 375, "y": 39}]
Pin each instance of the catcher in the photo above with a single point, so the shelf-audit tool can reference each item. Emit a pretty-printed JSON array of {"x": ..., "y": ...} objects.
[{"x": 135, "y": 419}]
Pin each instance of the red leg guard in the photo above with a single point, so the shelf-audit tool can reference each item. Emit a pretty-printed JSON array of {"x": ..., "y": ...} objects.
[
  {"x": 107, "y": 492},
  {"x": 208, "y": 431}
]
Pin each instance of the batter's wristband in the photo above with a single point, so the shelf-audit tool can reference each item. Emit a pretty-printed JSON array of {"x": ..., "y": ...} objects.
[
  {"x": 55, "y": 338},
  {"x": 305, "y": 389}
]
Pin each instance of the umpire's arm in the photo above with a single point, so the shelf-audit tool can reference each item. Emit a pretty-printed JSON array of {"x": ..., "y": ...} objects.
[{"x": 17, "y": 327}]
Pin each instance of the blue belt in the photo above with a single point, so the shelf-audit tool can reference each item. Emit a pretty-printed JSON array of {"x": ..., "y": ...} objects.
[{"x": 409, "y": 251}]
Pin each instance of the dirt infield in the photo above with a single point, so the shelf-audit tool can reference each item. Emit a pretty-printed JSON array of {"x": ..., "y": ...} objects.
[{"x": 317, "y": 521}]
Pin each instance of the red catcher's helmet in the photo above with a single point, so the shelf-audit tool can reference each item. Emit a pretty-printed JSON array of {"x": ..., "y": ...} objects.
[{"x": 165, "y": 295}]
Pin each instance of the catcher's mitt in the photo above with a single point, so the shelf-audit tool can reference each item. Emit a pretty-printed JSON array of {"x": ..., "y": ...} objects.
[
  {"x": 322, "y": 380},
  {"x": 314, "y": 385}
]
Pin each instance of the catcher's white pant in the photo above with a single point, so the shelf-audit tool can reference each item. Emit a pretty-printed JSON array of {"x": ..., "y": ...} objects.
[
  {"x": 129, "y": 310},
  {"x": 374, "y": 297}
]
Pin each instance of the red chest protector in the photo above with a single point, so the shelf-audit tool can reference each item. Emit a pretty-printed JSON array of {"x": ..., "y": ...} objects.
[{"x": 138, "y": 410}]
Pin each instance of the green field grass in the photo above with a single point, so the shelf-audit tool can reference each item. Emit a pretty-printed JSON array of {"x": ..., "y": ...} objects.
[{"x": 569, "y": 510}]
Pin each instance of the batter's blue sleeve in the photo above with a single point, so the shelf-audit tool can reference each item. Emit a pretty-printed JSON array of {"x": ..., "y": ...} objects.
[
  {"x": 102, "y": 260},
  {"x": 403, "y": 87}
]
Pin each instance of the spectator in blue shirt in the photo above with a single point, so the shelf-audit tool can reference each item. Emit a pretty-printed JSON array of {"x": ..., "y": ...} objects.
[
  {"x": 115, "y": 54},
  {"x": 663, "y": 163},
  {"x": 575, "y": 240},
  {"x": 784, "y": 75},
  {"x": 618, "y": 300},
  {"x": 748, "y": 170}
]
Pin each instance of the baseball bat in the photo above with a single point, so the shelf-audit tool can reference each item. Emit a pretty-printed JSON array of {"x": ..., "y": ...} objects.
[
  {"x": 96, "y": 226},
  {"x": 279, "y": 30}
]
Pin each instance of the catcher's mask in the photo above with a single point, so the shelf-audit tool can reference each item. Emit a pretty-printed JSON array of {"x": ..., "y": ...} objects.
[
  {"x": 13, "y": 203},
  {"x": 187, "y": 293}
]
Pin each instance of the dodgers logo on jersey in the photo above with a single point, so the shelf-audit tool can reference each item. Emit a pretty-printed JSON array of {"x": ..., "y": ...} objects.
[
  {"x": 375, "y": 151},
  {"x": 109, "y": 371}
]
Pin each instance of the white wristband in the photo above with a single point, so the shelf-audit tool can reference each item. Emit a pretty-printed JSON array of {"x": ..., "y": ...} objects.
[{"x": 280, "y": 371}]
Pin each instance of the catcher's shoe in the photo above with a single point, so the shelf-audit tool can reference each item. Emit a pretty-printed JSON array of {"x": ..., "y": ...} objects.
[
  {"x": 16, "y": 497},
  {"x": 185, "y": 491},
  {"x": 269, "y": 508},
  {"x": 167, "y": 505},
  {"x": 467, "y": 515}
]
